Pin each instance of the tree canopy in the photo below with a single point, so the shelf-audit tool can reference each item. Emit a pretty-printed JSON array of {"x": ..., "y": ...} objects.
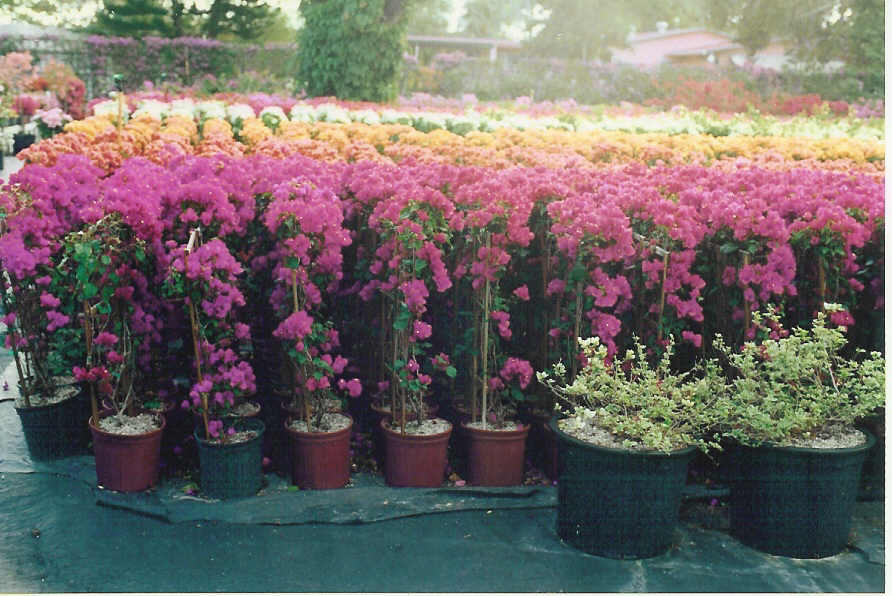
[
  {"x": 241, "y": 19},
  {"x": 352, "y": 49}
]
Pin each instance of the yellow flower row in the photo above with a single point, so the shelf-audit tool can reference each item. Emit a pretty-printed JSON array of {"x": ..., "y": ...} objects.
[{"x": 503, "y": 148}]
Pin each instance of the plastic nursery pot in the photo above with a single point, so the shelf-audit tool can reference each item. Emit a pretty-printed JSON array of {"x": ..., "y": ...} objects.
[
  {"x": 792, "y": 501},
  {"x": 56, "y": 430},
  {"x": 414, "y": 460},
  {"x": 495, "y": 457},
  {"x": 232, "y": 470},
  {"x": 379, "y": 413},
  {"x": 22, "y": 141},
  {"x": 320, "y": 460},
  {"x": 618, "y": 503},
  {"x": 127, "y": 463}
]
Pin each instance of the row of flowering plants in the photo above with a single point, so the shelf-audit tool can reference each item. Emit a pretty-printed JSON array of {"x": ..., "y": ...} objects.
[
  {"x": 107, "y": 141},
  {"x": 604, "y": 245},
  {"x": 463, "y": 118}
]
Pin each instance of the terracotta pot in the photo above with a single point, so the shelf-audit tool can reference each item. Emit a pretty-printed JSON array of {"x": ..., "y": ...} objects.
[
  {"x": 127, "y": 463},
  {"x": 379, "y": 414},
  {"x": 414, "y": 460},
  {"x": 495, "y": 457},
  {"x": 319, "y": 460}
]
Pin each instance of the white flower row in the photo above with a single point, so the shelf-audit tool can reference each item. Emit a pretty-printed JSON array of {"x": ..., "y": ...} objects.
[{"x": 676, "y": 121}]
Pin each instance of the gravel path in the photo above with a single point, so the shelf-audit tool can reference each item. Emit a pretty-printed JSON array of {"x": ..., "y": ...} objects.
[{"x": 11, "y": 165}]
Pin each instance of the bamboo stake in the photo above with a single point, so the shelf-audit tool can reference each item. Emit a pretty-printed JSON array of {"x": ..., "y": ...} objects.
[
  {"x": 475, "y": 364},
  {"x": 662, "y": 296},
  {"x": 747, "y": 309},
  {"x": 305, "y": 403},
  {"x": 577, "y": 324},
  {"x": 88, "y": 335},
  {"x": 546, "y": 262},
  {"x": 403, "y": 390},
  {"x": 485, "y": 354},
  {"x": 194, "y": 325},
  {"x": 485, "y": 344}
]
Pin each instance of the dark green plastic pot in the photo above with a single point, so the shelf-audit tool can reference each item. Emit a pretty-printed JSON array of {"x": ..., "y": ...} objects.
[
  {"x": 795, "y": 502},
  {"x": 232, "y": 470},
  {"x": 57, "y": 430},
  {"x": 618, "y": 503}
]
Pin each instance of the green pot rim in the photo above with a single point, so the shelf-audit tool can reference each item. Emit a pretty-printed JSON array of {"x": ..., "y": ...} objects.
[
  {"x": 871, "y": 440},
  {"x": 683, "y": 452}
]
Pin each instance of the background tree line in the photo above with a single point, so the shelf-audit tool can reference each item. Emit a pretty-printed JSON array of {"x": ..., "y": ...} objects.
[{"x": 344, "y": 42}]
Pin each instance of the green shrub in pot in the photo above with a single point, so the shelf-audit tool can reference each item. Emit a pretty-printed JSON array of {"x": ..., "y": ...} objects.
[
  {"x": 793, "y": 388},
  {"x": 628, "y": 432},
  {"x": 791, "y": 408},
  {"x": 642, "y": 407}
]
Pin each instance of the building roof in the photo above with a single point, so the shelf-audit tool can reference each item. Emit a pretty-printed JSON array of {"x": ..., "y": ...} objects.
[
  {"x": 29, "y": 30},
  {"x": 706, "y": 50},
  {"x": 649, "y": 35},
  {"x": 465, "y": 41}
]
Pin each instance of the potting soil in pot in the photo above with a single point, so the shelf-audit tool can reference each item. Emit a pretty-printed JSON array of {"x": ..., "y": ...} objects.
[
  {"x": 331, "y": 422},
  {"x": 130, "y": 425},
  {"x": 433, "y": 426}
]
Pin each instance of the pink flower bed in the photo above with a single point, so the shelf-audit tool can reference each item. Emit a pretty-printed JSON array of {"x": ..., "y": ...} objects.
[{"x": 688, "y": 251}]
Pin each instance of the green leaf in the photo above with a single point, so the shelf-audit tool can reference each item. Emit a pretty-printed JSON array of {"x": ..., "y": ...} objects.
[
  {"x": 451, "y": 372},
  {"x": 402, "y": 319},
  {"x": 727, "y": 248},
  {"x": 292, "y": 262},
  {"x": 90, "y": 290}
]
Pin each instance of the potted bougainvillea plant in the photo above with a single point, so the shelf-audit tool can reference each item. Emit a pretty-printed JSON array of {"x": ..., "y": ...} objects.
[
  {"x": 408, "y": 261},
  {"x": 229, "y": 446},
  {"x": 307, "y": 224},
  {"x": 627, "y": 430},
  {"x": 791, "y": 408},
  {"x": 112, "y": 267},
  {"x": 38, "y": 312},
  {"x": 495, "y": 439}
]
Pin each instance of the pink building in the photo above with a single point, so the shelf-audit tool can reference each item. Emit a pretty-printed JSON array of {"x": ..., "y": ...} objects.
[{"x": 691, "y": 46}]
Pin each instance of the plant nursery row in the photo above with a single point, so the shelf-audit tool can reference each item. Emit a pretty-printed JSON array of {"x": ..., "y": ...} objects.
[{"x": 220, "y": 266}]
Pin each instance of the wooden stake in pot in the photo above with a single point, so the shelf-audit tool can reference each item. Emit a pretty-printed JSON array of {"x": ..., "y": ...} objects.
[{"x": 193, "y": 322}]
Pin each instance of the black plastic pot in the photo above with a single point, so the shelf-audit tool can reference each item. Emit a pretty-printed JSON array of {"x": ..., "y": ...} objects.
[
  {"x": 57, "y": 430},
  {"x": 618, "y": 503},
  {"x": 21, "y": 141},
  {"x": 795, "y": 502},
  {"x": 232, "y": 470}
]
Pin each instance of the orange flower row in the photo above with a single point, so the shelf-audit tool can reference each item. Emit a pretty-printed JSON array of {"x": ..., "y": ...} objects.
[{"x": 504, "y": 148}]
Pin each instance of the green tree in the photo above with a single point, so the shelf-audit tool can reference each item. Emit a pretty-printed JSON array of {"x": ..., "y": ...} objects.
[
  {"x": 244, "y": 19},
  {"x": 131, "y": 18},
  {"x": 582, "y": 29},
  {"x": 352, "y": 48},
  {"x": 865, "y": 45},
  {"x": 428, "y": 17},
  {"x": 483, "y": 18}
]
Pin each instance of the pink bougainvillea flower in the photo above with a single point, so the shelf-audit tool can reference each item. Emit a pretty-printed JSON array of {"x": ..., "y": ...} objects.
[{"x": 421, "y": 330}]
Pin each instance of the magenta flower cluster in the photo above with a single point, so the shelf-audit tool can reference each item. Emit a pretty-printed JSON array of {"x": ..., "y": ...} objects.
[{"x": 628, "y": 246}]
